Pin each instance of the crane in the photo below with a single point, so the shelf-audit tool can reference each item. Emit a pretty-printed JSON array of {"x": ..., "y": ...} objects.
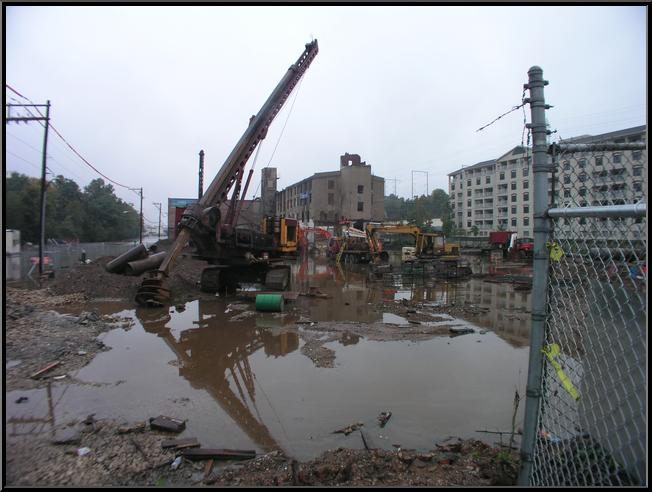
[{"x": 230, "y": 251}]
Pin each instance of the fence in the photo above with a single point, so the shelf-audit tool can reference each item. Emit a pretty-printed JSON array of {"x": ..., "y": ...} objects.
[{"x": 585, "y": 421}]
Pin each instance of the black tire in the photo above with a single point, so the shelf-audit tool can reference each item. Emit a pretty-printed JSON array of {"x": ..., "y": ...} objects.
[
  {"x": 277, "y": 278},
  {"x": 210, "y": 280}
]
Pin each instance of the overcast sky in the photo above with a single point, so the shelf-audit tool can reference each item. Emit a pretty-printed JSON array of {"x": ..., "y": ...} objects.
[{"x": 139, "y": 91}]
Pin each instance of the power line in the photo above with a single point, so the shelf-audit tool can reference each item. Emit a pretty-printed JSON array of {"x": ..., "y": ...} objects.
[{"x": 67, "y": 143}]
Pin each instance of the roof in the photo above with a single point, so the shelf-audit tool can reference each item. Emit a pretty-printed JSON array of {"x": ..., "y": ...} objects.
[
  {"x": 490, "y": 162},
  {"x": 605, "y": 137}
]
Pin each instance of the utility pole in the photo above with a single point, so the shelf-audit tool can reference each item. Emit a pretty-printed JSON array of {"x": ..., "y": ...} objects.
[
  {"x": 395, "y": 181},
  {"x": 158, "y": 205},
  {"x": 424, "y": 172},
  {"x": 46, "y": 125},
  {"x": 201, "y": 175},
  {"x": 141, "y": 216}
]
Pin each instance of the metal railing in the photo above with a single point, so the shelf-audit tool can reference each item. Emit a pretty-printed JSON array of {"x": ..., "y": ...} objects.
[{"x": 585, "y": 418}]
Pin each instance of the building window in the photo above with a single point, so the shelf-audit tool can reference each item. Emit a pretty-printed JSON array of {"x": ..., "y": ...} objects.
[
  {"x": 526, "y": 171},
  {"x": 526, "y": 197},
  {"x": 582, "y": 162},
  {"x": 360, "y": 206},
  {"x": 598, "y": 161},
  {"x": 582, "y": 177},
  {"x": 526, "y": 233},
  {"x": 526, "y": 185},
  {"x": 566, "y": 166},
  {"x": 582, "y": 192},
  {"x": 502, "y": 175},
  {"x": 468, "y": 223},
  {"x": 468, "y": 203},
  {"x": 513, "y": 186},
  {"x": 477, "y": 181},
  {"x": 526, "y": 209},
  {"x": 514, "y": 209},
  {"x": 566, "y": 179},
  {"x": 637, "y": 171},
  {"x": 452, "y": 186},
  {"x": 488, "y": 180},
  {"x": 513, "y": 198},
  {"x": 637, "y": 186},
  {"x": 468, "y": 193},
  {"x": 617, "y": 158},
  {"x": 331, "y": 199},
  {"x": 513, "y": 173},
  {"x": 360, "y": 188},
  {"x": 331, "y": 184},
  {"x": 468, "y": 214},
  {"x": 468, "y": 182},
  {"x": 513, "y": 222},
  {"x": 566, "y": 193}
]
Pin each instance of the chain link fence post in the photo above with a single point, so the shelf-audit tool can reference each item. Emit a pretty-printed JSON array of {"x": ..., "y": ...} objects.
[{"x": 540, "y": 169}]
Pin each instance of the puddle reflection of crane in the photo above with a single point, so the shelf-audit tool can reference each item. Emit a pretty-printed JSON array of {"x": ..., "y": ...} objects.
[{"x": 211, "y": 353}]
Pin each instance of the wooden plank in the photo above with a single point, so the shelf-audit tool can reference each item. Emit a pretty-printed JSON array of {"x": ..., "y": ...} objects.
[
  {"x": 45, "y": 369},
  {"x": 218, "y": 454},
  {"x": 190, "y": 442}
]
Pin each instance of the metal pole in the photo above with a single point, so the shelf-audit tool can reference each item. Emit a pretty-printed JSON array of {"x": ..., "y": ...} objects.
[
  {"x": 541, "y": 168},
  {"x": 158, "y": 205},
  {"x": 41, "y": 244},
  {"x": 201, "y": 174},
  {"x": 141, "y": 216}
]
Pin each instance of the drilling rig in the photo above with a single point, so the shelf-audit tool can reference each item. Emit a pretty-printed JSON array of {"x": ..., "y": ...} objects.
[{"x": 234, "y": 254}]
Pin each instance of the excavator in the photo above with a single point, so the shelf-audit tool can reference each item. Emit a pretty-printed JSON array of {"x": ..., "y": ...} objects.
[{"x": 233, "y": 253}]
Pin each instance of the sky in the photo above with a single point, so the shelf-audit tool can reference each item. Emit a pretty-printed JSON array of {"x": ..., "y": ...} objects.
[{"x": 139, "y": 91}]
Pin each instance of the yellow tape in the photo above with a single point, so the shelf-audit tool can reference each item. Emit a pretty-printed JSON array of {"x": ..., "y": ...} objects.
[
  {"x": 551, "y": 351},
  {"x": 555, "y": 251}
]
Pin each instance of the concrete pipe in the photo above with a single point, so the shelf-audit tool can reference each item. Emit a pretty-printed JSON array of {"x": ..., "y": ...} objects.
[
  {"x": 117, "y": 265},
  {"x": 150, "y": 263}
]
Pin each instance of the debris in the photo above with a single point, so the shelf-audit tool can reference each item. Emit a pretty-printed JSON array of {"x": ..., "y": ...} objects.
[
  {"x": 383, "y": 418},
  {"x": 224, "y": 454},
  {"x": 175, "y": 464},
  {"x": 414, "y": 322},
  {"x": 67, "y": 436},
  {"x": 83, "y": 451},
  {"x": 90, "y": 419},
  {"x": 59, "y": 377},
  {"x": 22, "y": 399},
  {"x": 82, "y": 352},
  {"x": 167, "y": 424},
  {"x": 138, "y": 427},
  {"x": 347, "y": 430},
  {"x": 190, "y": 442},
  {"x": 208, "y": 468},
  {"x": 139, "y": 448},
  {"x": 45, "y": 369},
  {"x": 460, "y": 330}
]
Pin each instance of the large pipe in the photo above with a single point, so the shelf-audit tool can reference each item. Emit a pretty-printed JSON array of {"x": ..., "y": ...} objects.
[
  {"x": 139, "y": 266},
  {"x": 117, "y": 265}
]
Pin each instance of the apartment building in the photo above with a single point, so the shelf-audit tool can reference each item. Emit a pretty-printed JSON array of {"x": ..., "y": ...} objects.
[
  {"x": 352, "y": 193},
  {"x": 497, "y": 194}
]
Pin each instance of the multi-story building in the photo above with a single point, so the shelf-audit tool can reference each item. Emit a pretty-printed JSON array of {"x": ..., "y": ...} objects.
[
  {"x": 326, "y": 198},
  {"x": 498, "y": 194}
]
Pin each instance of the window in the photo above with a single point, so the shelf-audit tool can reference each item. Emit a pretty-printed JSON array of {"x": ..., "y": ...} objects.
[
  {"x": 566, "y": 166},
  {"x": 526, "y": 221},
  {"x": 566, "y": 193},
  {"x": 452, "y": 186},
  {"x": 582, "y": 177},
  {"x": 566, "y": 179},
  {"x": 598, "y": 161},
  {"x": 360, "y": 188},
  {"x": 331, "y": 184},
  {"x": 468, "y": 224},
  {"x": 468, "y": 214},
  {"x": 513, "y": 222},
  {"x": 638, "y": 171},
  {"x": 488, "y": 180},
  {"x": 514, "y": 209},
  {"x": 513, "y": 173},
  {"x": 526, "y": 197},
  {"x": 513, "y": 198},
  {"x": 526, "y": 233},
  {"x": 468, "y": 182},
  {"x": 582, "y": 192},
  {"x": 582, "y": 162},
  {"x": 468, "y": 203},
  {"x": 360, "y": 206},
  {"x": 617, "y": 158},
  {"x": 526, "y": 171},
  {"x": 468, "y": 193},
  {"x": 477, "y": 181},
  {"x": 526, "y": 185},
  {"x": 502, "y": 175},
  {"x": 637, "y": 187},
  {"x": 459, "y": 195},
  {"x": 526, "y": 209},
  {"x": 331, "y": 199},
  {"x": 513, "y": 186}
]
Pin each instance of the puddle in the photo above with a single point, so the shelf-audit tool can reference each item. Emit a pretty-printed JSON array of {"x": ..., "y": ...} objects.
[{"x": 242, "y": 381}]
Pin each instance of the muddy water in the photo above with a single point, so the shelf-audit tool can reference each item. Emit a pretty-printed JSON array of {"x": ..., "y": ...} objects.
[{"x": 245, "y": 383}]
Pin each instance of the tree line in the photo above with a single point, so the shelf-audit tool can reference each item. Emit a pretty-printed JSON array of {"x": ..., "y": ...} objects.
[
  {"x": 421, "y": 210},
  {"x": 94, "y": 214}
]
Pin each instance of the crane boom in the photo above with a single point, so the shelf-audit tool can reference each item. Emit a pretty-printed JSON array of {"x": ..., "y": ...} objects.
[{"x": 153, "y": 291}]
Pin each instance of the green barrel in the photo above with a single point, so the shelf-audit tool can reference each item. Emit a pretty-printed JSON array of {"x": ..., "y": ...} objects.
[{"x": 269, "y": 302}]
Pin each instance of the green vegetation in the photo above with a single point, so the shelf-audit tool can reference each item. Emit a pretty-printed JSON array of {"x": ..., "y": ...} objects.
[
  {"x": 94, "y": 214},
  {"x": 421, "y": 209}
]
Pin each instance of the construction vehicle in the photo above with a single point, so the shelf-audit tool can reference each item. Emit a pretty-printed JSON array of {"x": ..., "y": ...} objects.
[
  {"x": 510, "y": 244},
  {"x": 236, "y": 254},
  {"x": 430, "y": 253}
]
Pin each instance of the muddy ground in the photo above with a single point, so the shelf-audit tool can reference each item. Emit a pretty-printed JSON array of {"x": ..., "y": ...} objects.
[{"x": 37, "y": 336}]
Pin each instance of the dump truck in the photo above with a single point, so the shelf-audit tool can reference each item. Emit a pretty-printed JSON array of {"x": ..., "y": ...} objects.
[{"x": 233, "y": 253}]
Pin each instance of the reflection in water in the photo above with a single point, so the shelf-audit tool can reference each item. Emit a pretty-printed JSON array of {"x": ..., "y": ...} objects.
[{"x": 215, "y": 357}]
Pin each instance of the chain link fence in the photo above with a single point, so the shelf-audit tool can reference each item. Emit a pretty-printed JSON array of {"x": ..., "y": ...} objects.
[{"x": 591, "y": 405}]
